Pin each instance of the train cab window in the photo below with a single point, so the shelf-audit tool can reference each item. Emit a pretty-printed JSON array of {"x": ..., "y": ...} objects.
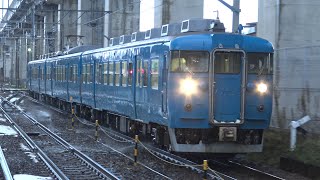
[
  {"x": 124, "y": 73},
  {"x": 130, "y": 73},
  {"x": 260, "y": 63},
  {"x": 154, "y": 73},
  {"x": 117, "y": 74},
  {"x": 227, "y": 62},
  {"x": 105, "y": 73},
  {"x": 144, "y": 74},
  {"x": 189, "y": 61},
  {"x": 111, "y": 72}
]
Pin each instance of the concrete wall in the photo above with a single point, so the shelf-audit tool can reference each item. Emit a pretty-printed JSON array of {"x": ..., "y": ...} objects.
[
  {"x": 123, "y": 19},
  {"x": 67, "y": 23},
  {"x": 292, "y": 25},
  {"x": 172, "y": 11},
  {"x": 90, "y": 24}
]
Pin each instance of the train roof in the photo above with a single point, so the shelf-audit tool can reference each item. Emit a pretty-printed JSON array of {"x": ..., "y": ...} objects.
[
  {"x": 210, "y": 41},
  {"x": 192, "y": 34}
]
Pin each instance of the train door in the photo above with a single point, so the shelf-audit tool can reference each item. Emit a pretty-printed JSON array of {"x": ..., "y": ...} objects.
[
  {"x": 67, "y": 74},
  {"x": 51, "y": 77},
  {"x": 164, "y": 86},
  {"x": 39, "y": 78},
  {"x": 45, "y": 77},
  {"x": 137, "y": 65},
  {"x": 228, "y": 68}
]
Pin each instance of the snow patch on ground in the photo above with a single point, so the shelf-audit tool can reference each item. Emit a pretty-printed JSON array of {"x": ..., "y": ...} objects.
[
  {"x": 12, "y": 100},
  {"x": 3, "y": 119},
  {"x": 32, "y": 156},
  {"x": 24, "y": 147},
  {"x": 7, "y": 130},
  {"x": 29, "y": 177}
]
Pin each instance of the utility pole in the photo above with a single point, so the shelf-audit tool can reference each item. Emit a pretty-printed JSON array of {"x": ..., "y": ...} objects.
[
  {"x": 33, "y": 34},
  {"x": 236, "y": 11}
]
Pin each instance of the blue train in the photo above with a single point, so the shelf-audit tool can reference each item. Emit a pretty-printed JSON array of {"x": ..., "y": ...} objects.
[{"x": 189, "y": 85}]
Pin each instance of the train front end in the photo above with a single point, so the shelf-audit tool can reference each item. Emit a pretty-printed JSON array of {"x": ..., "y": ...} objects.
[{"x": 219, "y": 93}]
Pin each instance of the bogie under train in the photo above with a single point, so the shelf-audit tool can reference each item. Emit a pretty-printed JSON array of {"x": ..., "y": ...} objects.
[{"x": 199, "y": 92}]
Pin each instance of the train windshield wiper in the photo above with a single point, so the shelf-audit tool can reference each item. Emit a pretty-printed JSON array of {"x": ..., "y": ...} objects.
[
  {"x": 189, "y": 71},
  {"x": 261, "y": 70}
]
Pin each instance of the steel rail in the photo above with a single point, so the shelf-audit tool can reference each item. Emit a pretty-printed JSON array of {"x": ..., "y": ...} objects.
[
  {"x": 52, "y": 166},
  {"x": 68, "y": 146},
  {"x": 173, "y": 158},
  {"x": 5, "y": 168},
  {"x": 156, "y": 151},
  {"x": 256, "y": 170}
]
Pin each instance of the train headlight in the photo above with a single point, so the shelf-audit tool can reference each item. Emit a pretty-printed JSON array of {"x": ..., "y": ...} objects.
[
  {"x": 262, "y": 87},
  {"x": 188, "y": 86}
]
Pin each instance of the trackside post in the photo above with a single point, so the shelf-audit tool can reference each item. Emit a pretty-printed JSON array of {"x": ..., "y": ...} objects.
[
  {"x": 97, "y": 126},
  {"x": 205, "y": 168},
  {"x": 72, "y": 119},
  {"x": 136, "y": 149}
]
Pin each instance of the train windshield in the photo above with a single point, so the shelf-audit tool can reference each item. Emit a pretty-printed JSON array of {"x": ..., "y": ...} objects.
[
  {"x": 260, "y": 63},
  {"x": 189, "y": 61}
]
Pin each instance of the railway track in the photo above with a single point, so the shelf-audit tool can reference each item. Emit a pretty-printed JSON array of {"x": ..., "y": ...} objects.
[
  {"x": 105, "y": 156},
  {"x": 66, "y": 162},
  {"x": 156, "y": 152},
  {"x": 240, "y": 170},
  {"x": 212, "y": 173}
]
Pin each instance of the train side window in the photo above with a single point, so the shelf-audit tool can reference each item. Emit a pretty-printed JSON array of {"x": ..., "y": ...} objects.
[
  {"x": 53, "y": 72},
  {"x": 139, "y": 68},
  {"x": 105, "y": 73},
  {"x": 98, "y": 73},
  {"x": 84, "y": 73},
  {"x": 124, "y": 73},
  {"x": 58, "y": 73},
  {"x": 111, "y": 72},
  {"x": 144, "y": 74},
  {"x": 89, "y": 70},
  {"x": 75, "y": 73},
  {"x": 70, "y": 74},
  {"x": 155, "y": 73},
  {"x": 41, "y": 73},
  {"x": 130, "y": 73},
  {"x": 48, "y": 72},
  {"x": 65, "y": 70},
  {"x": 117, "y": 74}
]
